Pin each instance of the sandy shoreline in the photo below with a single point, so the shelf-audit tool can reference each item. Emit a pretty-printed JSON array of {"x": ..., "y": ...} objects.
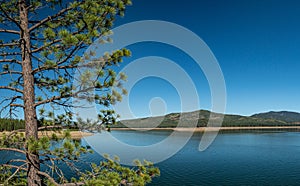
[
  {"x": 79, "y": 134},
  {"x": 202, "y": 129},
  {"x": 74, "y": 134}
]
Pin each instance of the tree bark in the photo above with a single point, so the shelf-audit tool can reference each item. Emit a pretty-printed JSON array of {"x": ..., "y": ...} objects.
[{"x": 33, "y": 178}]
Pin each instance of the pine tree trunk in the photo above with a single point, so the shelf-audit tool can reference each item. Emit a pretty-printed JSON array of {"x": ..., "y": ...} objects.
[{"x": 33, "y": 179}]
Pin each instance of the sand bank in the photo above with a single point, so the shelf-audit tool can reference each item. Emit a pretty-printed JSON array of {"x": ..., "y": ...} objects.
[
  {"x": 202, "y": 129},
  {"x": 74, "y": 134}
]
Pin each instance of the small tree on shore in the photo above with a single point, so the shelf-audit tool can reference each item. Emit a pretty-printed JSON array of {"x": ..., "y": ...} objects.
[{"x": 40, "y": 49}]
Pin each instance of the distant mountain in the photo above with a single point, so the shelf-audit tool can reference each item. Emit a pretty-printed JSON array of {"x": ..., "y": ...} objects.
[
  {"x": 286, "y": 116},
  {"x": 201, "y": 118}
]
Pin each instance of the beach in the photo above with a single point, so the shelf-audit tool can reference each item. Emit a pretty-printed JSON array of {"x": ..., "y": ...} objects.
[
  {"x": 59, "y": 134},
  {"x": 202, "y": 129},
  {"x": 79, "y": 134}
]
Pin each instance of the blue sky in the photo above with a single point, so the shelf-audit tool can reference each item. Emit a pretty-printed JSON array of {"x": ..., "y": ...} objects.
[{"x": 257, "y": 44}]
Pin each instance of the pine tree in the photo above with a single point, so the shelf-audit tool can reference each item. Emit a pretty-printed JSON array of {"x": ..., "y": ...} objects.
[{"x": 39, "y": 54}]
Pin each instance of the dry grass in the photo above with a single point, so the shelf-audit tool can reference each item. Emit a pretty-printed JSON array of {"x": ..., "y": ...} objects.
[{"x": 59, "y": 134}]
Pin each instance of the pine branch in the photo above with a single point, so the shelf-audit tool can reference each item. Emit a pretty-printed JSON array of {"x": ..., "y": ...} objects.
[
  {"x": 13, "y": 166},
  {"x": 16, "y": 171},
  {"x": 10, "y": 61},
  {"x": 15, "y": 132},
  {"x": 51, "y": 100},
  {"x": 13, "y": 149},
  {"x": 39, "y": 69},
  {"x": 9, "y": 44},
  {"x": 55, "y": 98},
  {"x": 57, "y": 41},
  {"x": 17, "y": 160},
  {"x": 49, "y": 18},
  {"x": 9, "y": 17},
  {"x": 52, "y": 180},
  {"x": 52, "y": 68},
  {"x": 50, "y": 127},
  {"x": 11, "y": 54},
  {"x": 7, "y": 60},
  {"x": 45, "y": 46},
  {"x": 73, "y": 184},
  {"x": 10, "y": 99},
  {"x": 16, "y": 105},
  {"x": 12, "y": 89},
  {"x": 10, "y": 72},
  {"x": 77, "y": 47},
  {"x": 57, "y": 184},
  {"x": 10, "y": 31},
  {"x": 49, "y": 178},
  {"x": 65, "y": 104}
]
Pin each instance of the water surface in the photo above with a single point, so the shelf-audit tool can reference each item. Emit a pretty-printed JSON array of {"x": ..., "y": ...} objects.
[{"x": 235, "y": 158}]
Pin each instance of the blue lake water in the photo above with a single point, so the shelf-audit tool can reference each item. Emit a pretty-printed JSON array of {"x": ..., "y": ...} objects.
[{"x": 234, "y": 158}]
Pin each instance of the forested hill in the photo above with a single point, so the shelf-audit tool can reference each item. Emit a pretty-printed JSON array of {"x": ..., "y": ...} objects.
[
  {"x": 171, "y": 120},
  {"x": 283, "y": 118},
  {"x": 282, "y": 115}
]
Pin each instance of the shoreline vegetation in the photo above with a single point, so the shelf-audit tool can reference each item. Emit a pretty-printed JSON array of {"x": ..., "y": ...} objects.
[
  {"x": 283, "y": 120},
  {"x": 80, "y": 134},
  {"x": 268, "y": 120},
  {"x": 202, "y": 129}
]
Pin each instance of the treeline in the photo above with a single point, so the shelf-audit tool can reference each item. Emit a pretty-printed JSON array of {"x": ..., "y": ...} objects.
[
  {"x": 11, "y": 124},
  {"x": 7, "y": 124},
  {"x": 201, "y": 119}
]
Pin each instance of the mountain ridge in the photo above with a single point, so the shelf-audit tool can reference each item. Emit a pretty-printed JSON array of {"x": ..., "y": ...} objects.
[
  {"x": 287, "y": 116},
  {"x": 189, "y": 119}
]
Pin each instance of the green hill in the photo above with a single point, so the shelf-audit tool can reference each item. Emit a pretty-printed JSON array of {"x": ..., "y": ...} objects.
[
  {"x": 201, "y": 118},
  {"x": 291, "y": 117},
  {"x": 188, "y": 119}
]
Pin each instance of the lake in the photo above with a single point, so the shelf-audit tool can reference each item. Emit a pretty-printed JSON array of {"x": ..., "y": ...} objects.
[{"x": 234, "y": 158}]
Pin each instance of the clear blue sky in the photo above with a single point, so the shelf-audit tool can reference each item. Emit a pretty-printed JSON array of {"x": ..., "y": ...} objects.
[{"x": 256, "y": 42}]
